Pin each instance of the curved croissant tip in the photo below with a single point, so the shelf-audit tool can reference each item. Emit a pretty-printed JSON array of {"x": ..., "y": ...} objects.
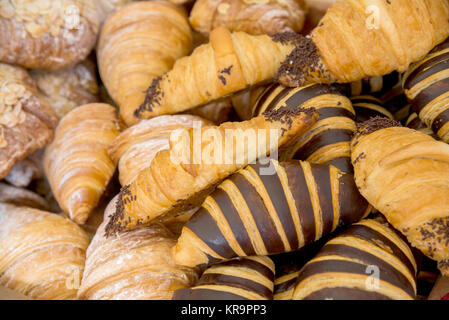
[{"x": 80, "y": 205}]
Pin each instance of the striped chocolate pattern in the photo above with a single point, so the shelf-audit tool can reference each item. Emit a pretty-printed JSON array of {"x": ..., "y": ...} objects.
[
  {"x": 427, "y": 87},
  {"x": 414, "y": 122},
  {"x": 253, "y": 214},
  {"x": 327, "y": 142},
  {"x": 375, "y": 86},
  {"x": 249, "y": 278},
  {"x": 367, "y": 107},
  {"x": 347, "y": 267}
]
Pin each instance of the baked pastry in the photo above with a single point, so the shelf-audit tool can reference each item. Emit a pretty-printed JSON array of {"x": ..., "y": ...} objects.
[
  {"x": 138, "y": 43},
  {"x": 107, "y": 7},
  {"x": 251, "y": 16},
  {"x": 230, "y": 62},
  {"x": 249, "y": 278},
  {"x": 441, "y": 289},
  {"x": 41, "y": 254},
  {"x": 251, "y": 213},
  {"x": 26, "y": 121},
  {"x": 134, "y": 149},
  {"x": 375, "y": 86},
  {"x": 328, "y": 140},
  {"x": 135, "y": 265},
  {"x": 426, "y": 84},
  {"x": 415, "y": 123},
  {"x": 49, "y": 35},
  {"x": 180, "y": 178},
  {"x": 21, "y": 197},
  {"x": 216, "y": 111},
  {"x": 395, "y": 34},
  {"x": 27, "y": 170},
  {"x": 367, "y": 107},
  {"x": 368, "y": 261},
  {"x": 76, "y": 163},
  {"x": 404, "y": 174},
  {"x": 66, "y": 89}
]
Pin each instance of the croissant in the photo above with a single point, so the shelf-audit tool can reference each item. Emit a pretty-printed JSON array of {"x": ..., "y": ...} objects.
[
  {"x": 405, "y": 175},
  {"x": 135, "y": 265},
  {"x": 255, "y": 214},
  {"x": 328, "y": 141},
  {"x": 249, "y": 278},
  {"x": 180, "y": 178},
  {"x": 375, "y": 86},
  {"x": 135, "y": 147},
  {"x": 413, "y": 122},
  {"x": 41, "y": 254},
  {"x": 21, "y": 197},
  {"x": 138, "y": 43},
  {"x": 105, "y": 8},
  {"x": 47, "y": 35},
  {"x": 216, "y": 111},
  {"x": 26, "y": 121},
  {"x": 76, "y": 162},
  {"x": 440, "y": 290},
  {"x": 253, "y": 17},
  {"x": 367, "y": 107},
  {"x": 66, "y": 89},
  {"x": 383, "y": 36},
  {"x": 426, "y": 84},
  {"x": 27, "y": 170},
  {"x": 368, "y": 261},
  {"x": 230, "y": 62}
]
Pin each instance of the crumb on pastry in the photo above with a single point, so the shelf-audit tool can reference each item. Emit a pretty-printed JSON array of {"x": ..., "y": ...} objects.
[{"x": 375, "y": 124}]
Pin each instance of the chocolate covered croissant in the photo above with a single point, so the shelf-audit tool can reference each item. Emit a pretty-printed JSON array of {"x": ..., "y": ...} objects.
[
  {"x": 426, "y": 84},
  {"x": 252, "y": 213},
  {"x": 328, "y": 140},
  {"x": 249, "y": 278},
  {"x": 50, "y": 35},
  {"x": 42, "y": 254},
  {"x": 26, "y": 120},
  {"x": 135, "y": 265},
  {"x": 405, "y": 175},
  {"x": 368, "y": 261},
  {"x": 180, "y": 178},
  {"x": 138, "y": 43},
  {"x": 367, "y": 107},
  {"x": 76, "y": 163},
  {"x": 253, "y": 17}
]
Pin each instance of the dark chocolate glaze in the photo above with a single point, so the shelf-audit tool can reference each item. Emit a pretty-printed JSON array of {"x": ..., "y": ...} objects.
[
  {"x": 341, "y": 293},
  {"x": 250, "y": 264},
  {"x": 204, "y": 294},
  {"x": 440, "y": 120},
  {"x": 426, "y": 96},
  {"x": 352, "y": 204},
  {"x": 322, "y": 179},
  {"x": 427, "y": 69}
]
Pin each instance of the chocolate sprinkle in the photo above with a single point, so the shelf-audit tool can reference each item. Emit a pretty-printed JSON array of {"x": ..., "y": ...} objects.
[
  {"x": 114, "y": 226},
  {"x": 374, "y": 124},
  {"x": 285, "y": 115},
  {"x": 360, "y": 157},
  {"x": 227, "y": 70},
  {"x": 153, "y": 96}
]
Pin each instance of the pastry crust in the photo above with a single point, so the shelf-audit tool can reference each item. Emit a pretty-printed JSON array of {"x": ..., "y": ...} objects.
[
  {"x": 21, "y": 197},
  {"x": 135, "y": 265},
  {"x": 138, "y": 43},
  {"x": 27, "y": 170},
  {"x": 76, "y": 162},
  {"x": 50, "y": 35},
  {"x": 42, "y": 254},
  {"x": 251, "y": 16},
  {"x": 405, "y": 175}
]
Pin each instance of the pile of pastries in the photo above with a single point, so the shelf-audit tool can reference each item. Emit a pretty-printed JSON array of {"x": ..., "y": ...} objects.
[{"x": 348, "y": 198}]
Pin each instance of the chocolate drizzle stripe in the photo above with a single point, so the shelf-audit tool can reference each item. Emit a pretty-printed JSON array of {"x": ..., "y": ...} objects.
[
  {"x": 441, "y": 46},
  {"x": 265, "y": 95},
  {"x": 285, "y": 286},
  {"x": 427, "y": 69},
  {"x": 236, "y": 282},
  {"x": 250, "y": 264},
  {"x": 274, "y": 103},
  {"x": 342, "y": 293},
  {"x": 440, "y": 120},
  {"x": 323, "y": 139},
  {"x": 429, "y": 94},
  {"x": 351, "y": 203},
  {"x": 298, "y": 186},
  {"x": 266, "y": 228},
  {"x": 275, "y": 191},
  {"x": 205, "y": 294},
  {"x": 321, "y": 176},
  {"x": 204, "y": 226},
  {"x": 235, "y": 222},
  {"x": 343, "y": 163},
  {"x": 330, "y": 112},
  {"x": 302, "y": 95}
]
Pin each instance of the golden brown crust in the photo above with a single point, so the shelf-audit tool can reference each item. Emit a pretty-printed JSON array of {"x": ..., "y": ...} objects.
[
  {"x": 21, "y": 197},
  {"x": 251, "y": 16},
  {"x": 27, "y": 170},
  {"x": 76, "y": 163},
  {"x": 47, "y": 35}
]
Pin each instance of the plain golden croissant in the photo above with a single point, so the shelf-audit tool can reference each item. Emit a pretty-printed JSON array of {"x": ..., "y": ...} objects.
[
  {"x": 248, "y": 278},
  {"x": 133, "y": 265},
  {"x": 50, "y": 35},
  {"x": 135, "y": 147},
  {"x": 27, "y": 170},
  {"x": 361, "y": 39},
  {"x": 256, "y": 214},
  {"x": 198, "y": 159},
  {"x": 138, "y": 43},
  {"x": 405, "y": 175},
  {"x": 328, "y": 140},
  {"x": 76, "y": 163},
  {"x": 42, "y": 254},
  {"x": 230, "y": 62},
  {"x": 251, "y": 16},
  {"x": 426, "y": 84},
  {"x": 26, "y": 121},
  {"x": 367, "y": 261},
  {"x": 69, "y": 88},
  {"x": 21, "y": 197}
]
